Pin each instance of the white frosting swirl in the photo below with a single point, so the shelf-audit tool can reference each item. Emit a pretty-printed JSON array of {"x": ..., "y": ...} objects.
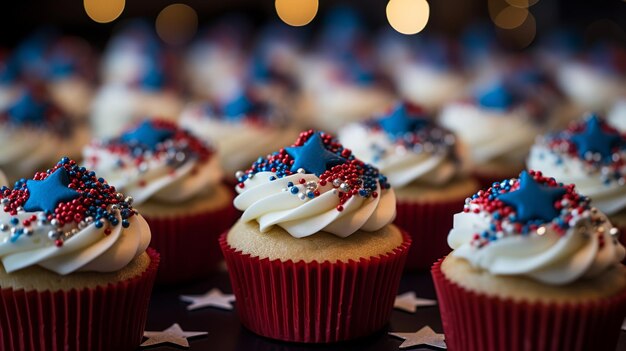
[
  {"x": 400, "y": 165},
  {"x": 269, "y": 203},
  {"x": 589, "y": 86},
  {"x": 89, "y": 249},
  {"x": 428, "y": 86},
  {"x": 155, "y": 178},
  {"x": 608, "y": 197},
  {"x": 550, "y": 258},
  {"x": 238, "y": 142},
  {"x": 617, "y": 115},
  {"x": 481, "y": 130}
]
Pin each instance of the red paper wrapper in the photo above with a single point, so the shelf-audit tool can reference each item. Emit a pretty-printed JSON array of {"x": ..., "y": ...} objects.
[
  {"x": 106, "y": 318},
  {"x": 315, "y": 302},
  {"x": 189, "y": 244},
  {"x": 477, "y": 322},
  {"x": 428, "y": 224}
]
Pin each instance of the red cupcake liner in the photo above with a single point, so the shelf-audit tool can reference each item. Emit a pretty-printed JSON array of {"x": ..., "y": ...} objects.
[
  {"x": 478, "y": 322},
  {"x": 189, "y": 244},
  {"x": 110, "y": 317},
  {"x": 428, "y": 224},
  {"x": 315, "y": 302}
]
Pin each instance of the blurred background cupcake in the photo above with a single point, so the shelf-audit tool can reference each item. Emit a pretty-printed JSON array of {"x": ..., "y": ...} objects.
[
  {"x": 420, "y": 160},
  {"x": 175, "y": 179}
]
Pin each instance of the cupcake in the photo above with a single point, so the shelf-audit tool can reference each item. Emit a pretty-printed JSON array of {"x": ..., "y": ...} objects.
[
  {"x": 534, "y": 267},
  {"x": 175, "y": 180},
  {"x": 421, "y": 162},
  {"x": 241, "y": 129},
  {"x": 138, "y": 82},
  {"x": 594, "y": 80},
  {"x": 34, "y": 133},
  {"x": 479, "y": 123},
  {"x": 590, "y": 154},
  {"x": 314, "y": 257},
  {"x": 76, "y": 273}
]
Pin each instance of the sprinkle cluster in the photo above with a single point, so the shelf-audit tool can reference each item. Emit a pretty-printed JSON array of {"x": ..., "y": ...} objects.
[
  {"x": 244, "y": 108},
  {"x": 409, "y": 129},
  {"x": 95, "y": 202},
  {"x": 600, "y": 146},
  {"x": 32, "y": 110},
  {"x": 154, "y": 139},
  {"x": 505, "y": 220},
  {"x": 348, "y": 176}
]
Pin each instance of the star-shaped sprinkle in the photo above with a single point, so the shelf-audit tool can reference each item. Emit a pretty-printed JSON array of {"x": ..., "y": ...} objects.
[
  {"x": 174, "y": 335},
  {"x": 313, "y": 156},
  {"x": 401, "y": 121},
  {"x": 213, "y": 298},
  {"x": 594, "y": 139},
  {"x": 27, "y": 110},
  {"x": 423, "y": 337},
  {"x": 497, "y": 96},
  {"x": 533, "y": 200},
  {"x": 45, "y": 195},
  {"x": 237, "y": 107},
  {"x": 147, "y": 134},
  {"x": 409, "y": 302}
]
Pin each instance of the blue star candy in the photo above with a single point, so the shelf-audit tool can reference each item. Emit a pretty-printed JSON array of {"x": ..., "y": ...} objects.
[
  {"x": 497, "y": 96},
  {"x": 45, "y": 195},
  {"x": 400, "y": 121},
  {"x": 147, "y": 135},
  {"x": 27, "y": 110},
  {"x": 313, "y": 156},
  {"x": 532, "y": 200},
  {"x": 237, "y": 107},
  {"x": 594, "y": 139}
]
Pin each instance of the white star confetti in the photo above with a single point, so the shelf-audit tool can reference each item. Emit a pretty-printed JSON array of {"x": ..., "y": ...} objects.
[
  {"x": 174, "y": 335},
  {"x": 423, "y": 337},
  {"x": 409, "y": 302},
  {"x": 213, "y": 298}
]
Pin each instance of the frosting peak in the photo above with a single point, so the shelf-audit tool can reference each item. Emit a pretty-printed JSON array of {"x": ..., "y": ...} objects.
[
  {"x": 156, "y": 160},
  {"x": 67, "y": 219},
  {"x": 535, "y": 227},
  {"x": 315, "y": 185},
  {"x": 406, "y": 146}
]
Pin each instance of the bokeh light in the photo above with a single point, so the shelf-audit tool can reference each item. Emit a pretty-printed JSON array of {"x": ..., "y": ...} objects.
[
  {"x": 521, "y": 36},
  {"x": 408, "y": 16},
  {"x": 296, "y": 12},
  {"x": 176, "y": 24},
  {"x": 104, "y": 11},
  {"x": 511, "y": 17}
]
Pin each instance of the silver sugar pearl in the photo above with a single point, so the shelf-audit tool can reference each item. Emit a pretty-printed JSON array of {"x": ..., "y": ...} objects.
[
  {"x": 344, "y": 187},
  {"x": 4, "y": 227},
  {"x": 143, "y": 167},
  {"x": 614, "y": 231},
  {"x": 28, "y": 231},
  {"x": 301, "y": 170},
  {"x": 54, "y": 222},
  {"x": 19, "y": 209},
  {"x": 42, "y": 222},
  {"x": 53, "y": 234},
  {"x": 336, "y": 183},
  {"x": 89, "y": 220},
  {"x": 119, "y": 196},
  {"x": 311, "y": 185},
  {"x": 129, "y": 200},
  {"x": 302, "y": 196},
  {"x": 4, "y": 201},
  {"x": 114, "y": 207},
  {"x": 82, "y": 225},
  {"x": 239, "y": 174}
]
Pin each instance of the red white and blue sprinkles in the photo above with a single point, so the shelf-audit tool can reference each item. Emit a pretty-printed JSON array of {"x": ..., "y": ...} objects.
[
  {"x": 595, "y": 142},
  {"x": 154, "y": 139},
  {"x": 319, "y": 153},
  {"x": 529, "y": 205},
  {"x": 63, "y": 200}
]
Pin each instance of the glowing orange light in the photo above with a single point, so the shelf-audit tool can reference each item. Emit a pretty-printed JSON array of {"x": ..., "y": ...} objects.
[
  {"x": 408, "y": 16},
  {"x": 177, "y": 23},
  {"x": 296, "y": 12},
  {"x": 104, "y": 11}
]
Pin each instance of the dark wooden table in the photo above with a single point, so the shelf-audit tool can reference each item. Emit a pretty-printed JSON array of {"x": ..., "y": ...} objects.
[{"x": 227, "y": 334}]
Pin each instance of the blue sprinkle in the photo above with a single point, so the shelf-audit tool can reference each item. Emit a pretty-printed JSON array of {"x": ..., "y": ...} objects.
[
  {"x": 14, "y": 220},
  {"x": 294, "y": 190}
]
